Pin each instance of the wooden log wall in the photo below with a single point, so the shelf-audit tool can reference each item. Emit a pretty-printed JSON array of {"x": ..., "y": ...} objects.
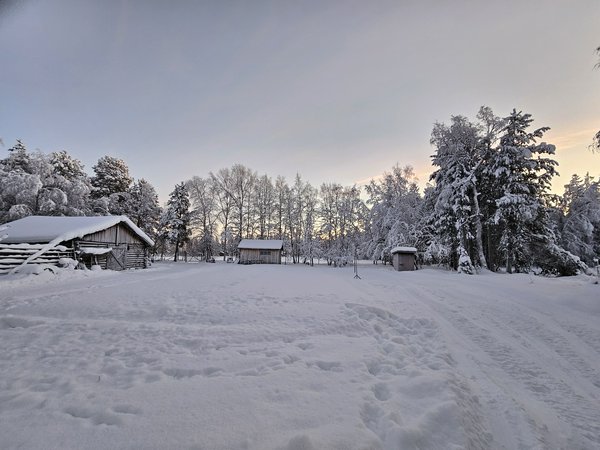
[{"x": 13, "y": 255}]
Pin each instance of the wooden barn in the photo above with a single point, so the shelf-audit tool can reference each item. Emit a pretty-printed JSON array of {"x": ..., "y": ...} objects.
[
  {"x": 112, "y": 242},
  {"x": 404, "y": 258},
  {"x": 259, "y": 251}
]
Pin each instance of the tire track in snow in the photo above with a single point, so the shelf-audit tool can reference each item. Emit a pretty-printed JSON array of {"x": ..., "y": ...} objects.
[
  {"x": 550, "y": 339},
  {"x": 581, "y": 414}
]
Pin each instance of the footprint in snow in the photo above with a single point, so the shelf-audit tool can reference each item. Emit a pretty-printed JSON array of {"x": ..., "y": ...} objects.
[
  {"x": 381, "y": 392},
  {"x": 332, "y": 366},
  {"x": 126, "y": 409},
  {"x": 96, "y": 417}
]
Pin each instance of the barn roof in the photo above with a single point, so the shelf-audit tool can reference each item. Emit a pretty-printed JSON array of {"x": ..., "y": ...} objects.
[
  {"x": 42, "y": 229},
  {"x": 404, "y": 250},
  {"x": 261, "y": 244}
]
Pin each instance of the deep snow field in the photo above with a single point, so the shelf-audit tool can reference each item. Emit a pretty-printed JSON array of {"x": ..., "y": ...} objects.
[{"x": 223, "y": 356}]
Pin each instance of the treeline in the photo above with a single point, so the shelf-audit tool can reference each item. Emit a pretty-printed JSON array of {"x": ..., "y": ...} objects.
[
  {"x": 491, "y": 206},
  {"x": 236, "y": 203},
  {"x": 488, "y": 204}
]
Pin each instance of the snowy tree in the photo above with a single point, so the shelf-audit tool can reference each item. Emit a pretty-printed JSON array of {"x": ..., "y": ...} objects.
[
  {"x": 343, "y": 221},
  {"x": 66, "y": 166},
  {"x": 18, "y": 159},
  {"x": 29, "y": 185},
  {"x": 523, "y": 169},
  {"x": 395, "y": 212},
  {"x": 264, "y": 202},
  {"x": 282, "y": 195},
  {"x": 144, "y": 209},
  {"x": 241, "y": 191},
  {"x": 311, "y": 246},
  {"x": 581, "y": 223},
  {"x": 176, "y": 219},
  {"x": 111, "y": 177},
  {"x": 221, "y": 187},
  {"x": 464, "y": 262},
  {"x": 69, "y": 176},
  {"x": 459, "y": 155}
]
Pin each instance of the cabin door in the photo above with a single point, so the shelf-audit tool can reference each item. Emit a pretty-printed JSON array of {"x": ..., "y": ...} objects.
[{"x": 117, "y": 258}]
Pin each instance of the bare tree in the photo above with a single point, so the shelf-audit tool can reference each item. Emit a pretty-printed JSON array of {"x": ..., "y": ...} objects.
[{"x": 221, "y": 188}]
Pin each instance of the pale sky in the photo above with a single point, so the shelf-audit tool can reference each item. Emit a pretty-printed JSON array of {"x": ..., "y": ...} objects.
[{"x": 335, "y": 90}]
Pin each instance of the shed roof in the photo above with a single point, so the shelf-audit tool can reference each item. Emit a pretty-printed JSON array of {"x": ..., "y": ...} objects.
[
  {"x": 404, "y": 250},
  {"x": 261, "y": 244},
  {"x": 42, "y": 229}
]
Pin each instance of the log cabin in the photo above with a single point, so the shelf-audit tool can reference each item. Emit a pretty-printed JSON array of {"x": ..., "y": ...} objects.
[{"x": 111, "y": 242}]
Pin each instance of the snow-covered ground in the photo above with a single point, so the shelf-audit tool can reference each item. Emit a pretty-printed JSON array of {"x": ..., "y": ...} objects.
[{"x": 223, "y": 356}]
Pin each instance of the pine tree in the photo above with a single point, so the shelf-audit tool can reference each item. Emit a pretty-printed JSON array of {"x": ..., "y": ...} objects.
[
  {"x": 18, "y": 159},
  {"x": 111, "y": 177},
  {"x": 177, "y": 218},
  {"x": 68, "y": 175},
  {"x": 66, "y": 166},
  {"x": 144, "y": 209}
]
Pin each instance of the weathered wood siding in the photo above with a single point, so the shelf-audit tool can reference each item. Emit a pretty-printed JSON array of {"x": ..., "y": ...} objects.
[
  {"x": 129, "y": 250},
  {"x": 137, "y": 256},
  {"x": 117, "y": 234},
  {"x": 404, "y": 261},
  {"x": 257, "y": 256}
]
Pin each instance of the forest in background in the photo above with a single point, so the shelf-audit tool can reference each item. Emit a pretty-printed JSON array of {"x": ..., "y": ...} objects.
[{"x": 488, "y": 204}]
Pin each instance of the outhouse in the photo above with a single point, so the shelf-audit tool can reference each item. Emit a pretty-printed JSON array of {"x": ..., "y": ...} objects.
[{"x": 404, "y": 258}]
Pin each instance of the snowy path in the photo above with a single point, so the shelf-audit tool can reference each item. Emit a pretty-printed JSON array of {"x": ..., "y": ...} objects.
[
  {"x": 292, "y": 357},
  {"x": 539, "y": 377}
]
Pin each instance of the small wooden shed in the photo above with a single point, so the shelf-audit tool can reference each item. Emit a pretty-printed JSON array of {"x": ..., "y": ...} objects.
[
  {"x": 112, "y": 242},
  {"x": 260, "y": 251},
  {"x": 404, "y": 258}
]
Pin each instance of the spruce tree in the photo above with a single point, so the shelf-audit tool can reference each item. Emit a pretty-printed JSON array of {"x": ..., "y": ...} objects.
[
  {"x": 523, "y": 169},
  {"x": 177, "y": 218}
]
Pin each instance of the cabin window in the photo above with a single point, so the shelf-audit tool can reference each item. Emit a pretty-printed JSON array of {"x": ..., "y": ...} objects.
[{"x": 265, "y": 253}]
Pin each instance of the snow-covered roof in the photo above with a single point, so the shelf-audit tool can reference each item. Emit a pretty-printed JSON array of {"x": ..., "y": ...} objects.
[
  {"x": 41, "y": 229},
  {"x": 261, "y": 244},
  {"x": 404, "y": 250}
]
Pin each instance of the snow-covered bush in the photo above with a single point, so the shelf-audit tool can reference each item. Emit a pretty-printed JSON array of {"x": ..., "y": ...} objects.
[
  {"x": 554, "y": 260},
  {"x": 436, "y": 253},
  {"x": 465, "y": 265}
]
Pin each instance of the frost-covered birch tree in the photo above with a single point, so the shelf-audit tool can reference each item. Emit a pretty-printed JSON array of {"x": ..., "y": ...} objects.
[
  {"x": 221, "y": 186},
  {"x": 204, "y": 213}
]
